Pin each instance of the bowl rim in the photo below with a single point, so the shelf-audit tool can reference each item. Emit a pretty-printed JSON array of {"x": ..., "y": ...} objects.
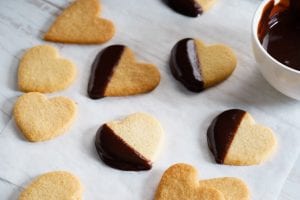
[{"x": 255, "y": 21}]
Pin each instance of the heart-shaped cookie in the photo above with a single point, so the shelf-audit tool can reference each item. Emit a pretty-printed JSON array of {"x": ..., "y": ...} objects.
[
  {"x": 40, "y": 119},
  {"x": 232, "y": 188},
  {"x": 235, "y": 139},
  {"x": 41, "y": 70},
  {"x": 53, "y": 186},
  {"x": 116, "y": 73},
  {"x": 79, "y": 23},
  {"x": 198, "y": 66},
  {"x": 190, "y": 8},
  {"x": 130, "y": 144},
  {"x": 180, "y": 182}
]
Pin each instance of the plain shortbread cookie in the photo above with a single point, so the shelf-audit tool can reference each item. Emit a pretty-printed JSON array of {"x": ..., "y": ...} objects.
[
  {"x": 42, "y": 70},
  {"x": 79, "y": 23},
  {"x": 58, "y": 185},
  {"x": 40, "y": 119}
]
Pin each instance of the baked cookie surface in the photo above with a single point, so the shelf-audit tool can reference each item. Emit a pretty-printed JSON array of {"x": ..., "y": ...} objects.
[
  {"x": 232, "y": 188},
  {"x": 130, "y": 144},
  {"x": 116, "y": 73},
  {"x": 40, "y": 119},
  {"x": 58, "y": 185},
  {"x": 198, "y": 66},
  {"x": 79, "y": 23},
  {"x": 235, "y": 139},
  {"x": 180, "y": 182},
  {"x": 42, "y": 70}
]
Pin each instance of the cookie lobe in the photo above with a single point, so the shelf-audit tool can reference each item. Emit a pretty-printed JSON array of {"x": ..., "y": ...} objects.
[
  {"x": 232, "y": 188},
  {"x": 102, "y": 70},
  {"x": 115, "y": 152},
  {"x": 185, "y": 65},
  {"x": 221, "y": 132}
]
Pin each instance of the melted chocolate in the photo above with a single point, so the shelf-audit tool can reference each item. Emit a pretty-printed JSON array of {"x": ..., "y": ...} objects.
[
  {"x": 186, "y": 7},
  {"x": 102, "y": 70},
  {"x": 185, "y": 65},
  {"x": 118, "y": 154},
  {"x": 279, "y": 31},
  {"x": 221, "y": 132}
]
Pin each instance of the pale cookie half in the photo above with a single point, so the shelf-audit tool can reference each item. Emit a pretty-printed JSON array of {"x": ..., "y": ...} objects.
[
  {"x": 115, "y": 72},
  {"x": 191, "y": 8},
  {"x": 130, "y": 144},
  {"x": 180, "y": 182},
  {"x": 206, "y": 4},
  {"x": 40, "y": 119},
  {"x": 235, "y": 139},
  {"x": 198, "y": 66},
  {"x": 79, "y": 23},
  {"x": 42, "y": 70},
  {"x": 58, "y": 185},
  {"x": 232, "y": 188}
]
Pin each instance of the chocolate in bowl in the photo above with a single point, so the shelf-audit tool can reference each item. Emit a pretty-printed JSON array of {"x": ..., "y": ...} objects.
[{"x": 279, "y": 31}]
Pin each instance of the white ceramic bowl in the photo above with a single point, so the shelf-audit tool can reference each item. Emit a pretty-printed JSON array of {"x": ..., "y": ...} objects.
[{"x": 284, "y": 79}]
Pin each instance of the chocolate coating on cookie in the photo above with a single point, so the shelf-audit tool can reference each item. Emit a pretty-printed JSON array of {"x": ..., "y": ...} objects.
[
  {"x": 185, "y": 65},
  {"x": 116, "y": 153},
  {"x": 221, "y": 132},
  {"x": 186, "y": 7},
  {"x": 102, "y": 70}
]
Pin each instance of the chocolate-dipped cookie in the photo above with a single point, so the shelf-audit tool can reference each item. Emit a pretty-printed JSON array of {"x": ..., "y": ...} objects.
[
  {"x": 131, "y": 144},
  {"x": 235, "y": 139},
  {"x": 198, "y": 66},
  {"x": 116, "y": 73},
  {"x": 191, "y": 8}
]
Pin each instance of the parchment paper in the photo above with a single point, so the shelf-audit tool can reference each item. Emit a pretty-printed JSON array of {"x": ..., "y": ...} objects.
[{"x": 151, "y": 29}]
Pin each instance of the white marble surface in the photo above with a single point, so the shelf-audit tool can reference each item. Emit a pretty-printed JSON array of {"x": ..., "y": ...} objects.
[{"x": 150, "y": 29}]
